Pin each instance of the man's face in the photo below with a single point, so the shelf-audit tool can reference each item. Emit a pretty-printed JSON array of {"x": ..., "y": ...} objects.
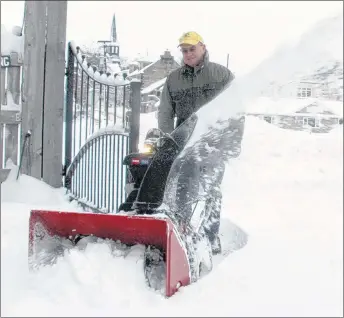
[{"x": 192, "y": 54}]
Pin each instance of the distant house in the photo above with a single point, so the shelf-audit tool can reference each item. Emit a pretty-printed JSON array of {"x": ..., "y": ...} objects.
[
  {"x": 150, "y": 96},
  {"x": 133, "y": 66},
  {"x": 295, "y": 89},
  {"x": 157, "y": 70},
  {"x": 145, "y": 61},
  {"x": 316, "y": 115},
  {"x": 305, "y": 89},
  {"x": 154, "y": 88}
]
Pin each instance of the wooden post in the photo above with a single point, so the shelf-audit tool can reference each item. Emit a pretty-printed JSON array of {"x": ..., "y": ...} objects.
[
  {"x": 3, "y": 76},
  {"x": 54, "y": 92},
  {"x": 13, "y": 96},
  {"x": 13, "y": 78},
  {"x": 3, "y": 86},
  {"x": 1, "y": 144},
  {"x": 33, "y": 82}
]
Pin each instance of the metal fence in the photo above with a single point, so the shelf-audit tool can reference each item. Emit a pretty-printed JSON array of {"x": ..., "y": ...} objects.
[
  {"x": 101, "y": 127},
  {"x": 97, "y": 175}
]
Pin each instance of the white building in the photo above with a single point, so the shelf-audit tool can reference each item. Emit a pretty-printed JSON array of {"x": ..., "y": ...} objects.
[{"x": 300, "y": 89}]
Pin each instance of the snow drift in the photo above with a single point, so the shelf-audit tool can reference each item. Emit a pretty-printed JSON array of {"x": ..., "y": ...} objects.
[{"x": 285, "y": 191}]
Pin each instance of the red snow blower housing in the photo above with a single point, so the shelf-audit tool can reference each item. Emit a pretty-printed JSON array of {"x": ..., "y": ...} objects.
[{"x": 52, "y": 232}]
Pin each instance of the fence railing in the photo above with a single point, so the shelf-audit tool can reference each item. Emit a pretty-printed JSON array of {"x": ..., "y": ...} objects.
[
  {"x": 101, "y": 126},
  {"x": 10, "y": 114},
  {"x": 94, "y": 100},
  {"x": 97, "y": 175}
]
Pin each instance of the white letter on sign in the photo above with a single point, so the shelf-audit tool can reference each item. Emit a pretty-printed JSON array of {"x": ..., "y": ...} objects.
[{"x": 5, "y": 61}]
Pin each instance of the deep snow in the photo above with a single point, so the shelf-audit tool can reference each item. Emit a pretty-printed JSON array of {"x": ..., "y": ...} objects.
[{"x": 285, "y": 191}]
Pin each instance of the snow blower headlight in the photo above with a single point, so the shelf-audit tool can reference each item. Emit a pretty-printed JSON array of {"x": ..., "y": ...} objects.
[{"x": 147, "y": 148}]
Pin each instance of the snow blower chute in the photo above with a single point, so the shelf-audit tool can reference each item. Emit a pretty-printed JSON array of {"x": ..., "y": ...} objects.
[{"x": 152, "y": 214}]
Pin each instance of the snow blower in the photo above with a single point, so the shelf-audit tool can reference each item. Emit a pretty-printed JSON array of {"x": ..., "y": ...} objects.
[{"x": 177, "y": 249}]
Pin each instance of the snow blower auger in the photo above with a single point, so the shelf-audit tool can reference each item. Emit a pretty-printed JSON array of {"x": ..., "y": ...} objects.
[{"x": 177, "y": 248}]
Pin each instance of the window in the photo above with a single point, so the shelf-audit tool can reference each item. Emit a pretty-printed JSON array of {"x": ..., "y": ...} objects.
[
  {"x": 270, "y": 119},
  {"x": 112, "y": 50},
  {"x": 311, "y": 121},
  {"x": 304, "y": 92}
]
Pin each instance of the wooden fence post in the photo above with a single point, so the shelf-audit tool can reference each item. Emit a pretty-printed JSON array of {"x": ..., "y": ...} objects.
[
  {"x": 33, "y": 82},
  {"x": 11, "y": 66},
  {"x": 13, "y": 80},
  {"x": 3, "y": 86},
  {"x": 13, "y": 95},
  {"x": 54, "y": 92}
]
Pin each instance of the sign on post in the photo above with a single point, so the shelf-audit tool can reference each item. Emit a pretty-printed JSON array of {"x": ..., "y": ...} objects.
[{"x": 5, "y": 60}]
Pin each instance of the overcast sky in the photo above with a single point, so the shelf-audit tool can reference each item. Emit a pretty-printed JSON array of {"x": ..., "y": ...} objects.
[{"x": 248, "y": 31}]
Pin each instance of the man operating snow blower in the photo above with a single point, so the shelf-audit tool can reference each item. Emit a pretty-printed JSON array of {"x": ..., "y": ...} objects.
[
  {"x": 173, "y": 196},
  {"x": 186, "y": 90}
]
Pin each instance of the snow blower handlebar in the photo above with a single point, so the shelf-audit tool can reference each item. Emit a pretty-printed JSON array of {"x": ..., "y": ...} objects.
[
  {"x": 165, "y": 136},
  {"x": 156, "y": 137}
]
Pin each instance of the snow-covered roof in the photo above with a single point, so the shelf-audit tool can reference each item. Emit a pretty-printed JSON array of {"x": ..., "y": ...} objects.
[
  {"x": 146, "y": 58},
  {"x": 290, "y": 106},
  {"x": 153, "y": 86},
  {"x": 114, "y": 68},
  {"x": 136, "y": 72},
  {"x": 146, "y": 67},
  {"x": 112, "y": 43},
  {"x": 114, "y": 58},
  {"x": 333, "y": 106},
  {"x": 125, "y": 71},
  {"x": 134, "y": 63},
  {"x": 11, "y": 41},
  {"x": 302, "y": 81},
  {"x": 109, "y": 43},
  {"x": 266, "y": 105},
  {"x": 141, "y": 71}
]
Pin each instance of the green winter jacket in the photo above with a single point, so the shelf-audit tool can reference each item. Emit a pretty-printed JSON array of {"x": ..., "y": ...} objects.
[{"x": 187, "y": 89}]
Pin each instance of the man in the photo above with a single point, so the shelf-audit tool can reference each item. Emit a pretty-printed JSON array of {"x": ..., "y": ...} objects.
[
  {"x": 186, "y": 90},
  {"x": 191, "y": 86}
]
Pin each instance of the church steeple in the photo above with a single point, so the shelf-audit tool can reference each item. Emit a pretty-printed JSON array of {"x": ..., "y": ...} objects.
[{"x": 113, "y": 29}]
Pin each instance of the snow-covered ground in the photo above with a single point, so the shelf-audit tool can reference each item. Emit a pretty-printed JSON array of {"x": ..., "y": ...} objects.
[{"x": 285, "y": 191}]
